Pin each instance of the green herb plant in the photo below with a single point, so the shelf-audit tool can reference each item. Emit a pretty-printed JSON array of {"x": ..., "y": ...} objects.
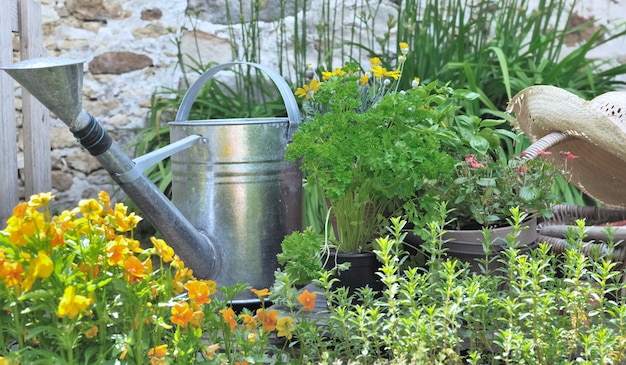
[
  {"x": 300, "y": 256},
  {"x": 362, "y": 143},
  {"x": 541, "y": 308}
]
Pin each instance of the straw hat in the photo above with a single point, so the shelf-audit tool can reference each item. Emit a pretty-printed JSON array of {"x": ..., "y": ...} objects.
[{"x": 595, "y": 131}]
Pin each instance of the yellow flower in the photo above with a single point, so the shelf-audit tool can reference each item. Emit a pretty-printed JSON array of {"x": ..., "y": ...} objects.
[
  {"x": 249, "y": 321},
  {"x": 43, "y": 265},
  {"x": 196, "y": 320},
  {"x": 378, "y": 72},
  {"x": 72, "y": 305},
  {"x": 40, "y": 200},
  {"x": 395, "y": 74},
  {"x": 308, "y": 91},
  {"x": 125, "y": 222},
  {"x": 375, "y": 61},
  {"x": 404, "y": 48},
  {"x": 90, "y": 208},
  {"x": 285, "y": 327},
  {"x": 326, "y": 75},
  {"x": 229, "y": 317},
  {"x": 105, "y": 200},
  {"x": 416, "y": 82},
  {"x": 363, "y": 80},
  {"x": 5, "y": 361},
  {"x": 40, "y": 267},
  {"x": 162, "y": 249}
]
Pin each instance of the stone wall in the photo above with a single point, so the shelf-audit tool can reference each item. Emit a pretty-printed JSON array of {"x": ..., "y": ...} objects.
[{"x": 130, "y": 50}]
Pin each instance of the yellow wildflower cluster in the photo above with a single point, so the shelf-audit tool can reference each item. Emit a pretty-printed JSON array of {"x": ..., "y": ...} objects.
[{"x": 376, "y": 74}]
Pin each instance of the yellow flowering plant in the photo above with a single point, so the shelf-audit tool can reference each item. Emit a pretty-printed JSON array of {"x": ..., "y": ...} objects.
[{"x": 78, "y": 288}]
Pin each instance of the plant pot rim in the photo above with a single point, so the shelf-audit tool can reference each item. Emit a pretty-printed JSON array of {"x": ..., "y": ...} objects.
[{"x": 475, "y": 236}]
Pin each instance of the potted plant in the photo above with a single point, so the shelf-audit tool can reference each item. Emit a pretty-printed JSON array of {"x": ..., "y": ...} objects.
[
  {"x": 375, "y": 151},
  {"x": 486, "y": 192}
]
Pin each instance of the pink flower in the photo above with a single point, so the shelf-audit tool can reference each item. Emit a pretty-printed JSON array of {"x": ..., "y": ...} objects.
[
  {"x": 544, "y": 153},
  {"x": 472, "y": 161},
  {"x": 569, "y": 155},
  {"x": 523, "y": 169}
]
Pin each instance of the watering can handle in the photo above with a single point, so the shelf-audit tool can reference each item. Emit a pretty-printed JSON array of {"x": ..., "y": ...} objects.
[{"x": 293, "y": 113}]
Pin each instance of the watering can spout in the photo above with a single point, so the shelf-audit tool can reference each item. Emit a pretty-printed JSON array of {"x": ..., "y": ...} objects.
[{"x": 57, "y": 84}]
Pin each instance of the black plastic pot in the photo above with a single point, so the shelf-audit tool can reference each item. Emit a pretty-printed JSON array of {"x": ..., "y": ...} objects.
[{"x": 361, "y": 273}]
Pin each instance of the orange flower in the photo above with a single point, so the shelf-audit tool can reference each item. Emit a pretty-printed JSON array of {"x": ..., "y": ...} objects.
[
  {"x": 157, "y": 355},
  {"x": 199, "y": 291},
  {"x": 268, "y": 318},
  {"x": 158, "y": 351},
  {"x": 136, "y": 269},
  {"x": 162, "y": 249},
  {"x": 229, "y": 317},
  {"x": 24, "y": 222},
  {"x": 249, "y": 321},
  {"x": 242, "y": 362},
  {"x": 56, "y": 235},
  {"x": 262, "y": 293},
  {"x": 210, "y": 351},
  {"x": 105, "y": 199},
  {"x": 182, "y": 314},
  {"x": 12, "y": 272},
  {"x": 307, "y": 299},
  {"x": 117, "y": 250},
  {"x": 91, "y": 332}
]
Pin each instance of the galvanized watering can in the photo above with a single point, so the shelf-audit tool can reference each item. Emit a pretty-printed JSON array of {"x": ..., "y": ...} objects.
[{"x": 234, "y": 198}]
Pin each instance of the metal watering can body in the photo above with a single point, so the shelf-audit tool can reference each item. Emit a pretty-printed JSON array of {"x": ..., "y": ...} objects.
[
  {"x": 236, "y": 186},
  {"x": 234, "y": 197}
]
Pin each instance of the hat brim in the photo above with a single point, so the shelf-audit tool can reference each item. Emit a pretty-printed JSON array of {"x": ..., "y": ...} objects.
[{"x": 595, "y": 135}]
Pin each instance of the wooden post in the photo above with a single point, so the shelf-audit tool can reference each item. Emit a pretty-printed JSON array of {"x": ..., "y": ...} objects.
[
  {"x": 8, "y": 127},
  {"x": 23, "y": 16},
  {"x": 36, "y": 126}
]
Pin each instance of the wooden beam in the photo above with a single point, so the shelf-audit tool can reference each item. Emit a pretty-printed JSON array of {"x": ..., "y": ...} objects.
[
  {"x": 13, "y": 14},
  {"x": 8, "y": 128},
  {"x": 36, "y": 125}
]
